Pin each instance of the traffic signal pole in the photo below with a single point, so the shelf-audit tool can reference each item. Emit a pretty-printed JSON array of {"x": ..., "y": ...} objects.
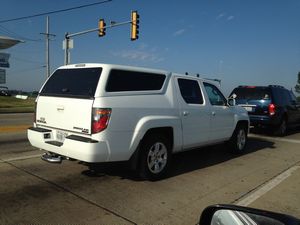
[{"x": 68, "y": 36}]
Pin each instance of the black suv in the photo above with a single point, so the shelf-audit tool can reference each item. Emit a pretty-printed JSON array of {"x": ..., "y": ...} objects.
[{"x": 269, "y": 106}]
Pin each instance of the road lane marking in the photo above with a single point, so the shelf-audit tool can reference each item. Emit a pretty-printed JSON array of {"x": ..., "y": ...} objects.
[
  {"x": 20, "y": 158},
  {"x": 295, "y": 141},
  {"x": 15, "y": 128},
  {"x": 263, "y": 189}
]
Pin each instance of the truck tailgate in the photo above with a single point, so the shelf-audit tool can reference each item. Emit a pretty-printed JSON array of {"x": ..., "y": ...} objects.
[{"x": 70, "y": 114}]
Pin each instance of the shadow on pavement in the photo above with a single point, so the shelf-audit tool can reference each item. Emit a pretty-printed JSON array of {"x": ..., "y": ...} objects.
[
  {"x": 269, "y": 131},
  {"x": 184, "y": 162},
  {"x": 213, "y": 155}
]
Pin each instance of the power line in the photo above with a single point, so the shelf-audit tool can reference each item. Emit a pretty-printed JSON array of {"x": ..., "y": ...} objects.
[
  {"x": 26, "y": 60},
  {"x": 56, "y": 11},
  {"x": 27, "y": 69},
  {"x": 14, "y": 34},
  {"x": 26, "y": 52}
]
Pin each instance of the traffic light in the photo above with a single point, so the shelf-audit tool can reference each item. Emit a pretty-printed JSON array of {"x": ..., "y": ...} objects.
[
  {"x": 101, "y": 26},
  {"x": 135, "y": 20}
]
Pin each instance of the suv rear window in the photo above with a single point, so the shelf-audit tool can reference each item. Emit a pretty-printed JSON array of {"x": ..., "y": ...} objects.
[
  {"x": 79, "y": 83},
  {"x": 252, "y": 93},
  {"x": 122, "y": 80}
]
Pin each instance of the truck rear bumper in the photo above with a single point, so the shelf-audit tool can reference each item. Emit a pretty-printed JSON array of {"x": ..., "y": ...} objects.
[{"x": 74, "y": 146}]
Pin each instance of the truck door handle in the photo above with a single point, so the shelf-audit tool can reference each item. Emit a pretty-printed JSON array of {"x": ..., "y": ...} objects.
[
  {"x": 60, "y": 108},
  {"x": 185, "y": 113},
  {"x": 213, "y": 113}
]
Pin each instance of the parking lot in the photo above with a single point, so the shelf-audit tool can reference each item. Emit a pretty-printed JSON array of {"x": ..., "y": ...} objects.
[{"x": 32, "y": 191}]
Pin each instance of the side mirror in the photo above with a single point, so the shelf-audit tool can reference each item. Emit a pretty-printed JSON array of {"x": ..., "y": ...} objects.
[
  {"x": 236, "y": 215},
  {"x": 231, "y": 102}
]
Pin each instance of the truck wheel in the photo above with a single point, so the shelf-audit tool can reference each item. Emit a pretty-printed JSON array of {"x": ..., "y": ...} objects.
[
  {"x": 281, "y": 129},
  {"x": 238, "y": 139},
  {"x": 155, "y": 157}
]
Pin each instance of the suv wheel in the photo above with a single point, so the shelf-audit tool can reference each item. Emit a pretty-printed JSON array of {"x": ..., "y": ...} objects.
[
  {"x": 155, "y": 157},
  {"x": 282, "y": 128},
  {"x": 238, "y": 139}
]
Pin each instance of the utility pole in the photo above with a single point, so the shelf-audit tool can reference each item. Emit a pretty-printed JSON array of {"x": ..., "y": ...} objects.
[{"x": 47, "y": 36}]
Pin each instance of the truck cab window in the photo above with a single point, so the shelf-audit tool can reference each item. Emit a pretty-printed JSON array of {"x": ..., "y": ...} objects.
[
  {"x": 190, "y": 91},
  {"x": 214, "y": 95}
]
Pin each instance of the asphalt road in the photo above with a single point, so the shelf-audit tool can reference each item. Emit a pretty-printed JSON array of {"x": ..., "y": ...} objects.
[{"x": 32, "y": 191}]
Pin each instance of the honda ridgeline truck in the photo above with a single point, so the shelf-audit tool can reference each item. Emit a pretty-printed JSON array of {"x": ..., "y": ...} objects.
[{"x": 105, "y": 113}]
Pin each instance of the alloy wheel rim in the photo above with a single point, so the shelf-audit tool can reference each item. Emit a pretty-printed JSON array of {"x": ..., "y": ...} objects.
[
  {"x": 241, "y": 139},
  {"x": 157, "y": 157},
  {"x": 283, "y": 127}
]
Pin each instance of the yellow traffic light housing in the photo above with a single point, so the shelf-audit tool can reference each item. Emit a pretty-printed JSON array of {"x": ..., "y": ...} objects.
[
  {"x": 135, "y": 20},
  {"x": 102, "y": 28}
]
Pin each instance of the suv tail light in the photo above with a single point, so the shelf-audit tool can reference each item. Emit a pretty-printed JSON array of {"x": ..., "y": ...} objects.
[
  {"x": 100, "y": 119},
  {"x": 272, "y": 109}
]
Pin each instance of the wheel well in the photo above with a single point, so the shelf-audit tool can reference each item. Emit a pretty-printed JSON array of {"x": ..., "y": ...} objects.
[
  {"x": 165, "y": 131},
  {"x": 285, "y": 116},
  {"x": 243, "y": 123}
]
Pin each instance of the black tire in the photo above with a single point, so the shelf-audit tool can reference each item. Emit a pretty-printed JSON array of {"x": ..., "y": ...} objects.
[
  {"x": 238, "y": 140},
  {"x": 155, "y": 158},
  {"x": 281, "y": 129}
]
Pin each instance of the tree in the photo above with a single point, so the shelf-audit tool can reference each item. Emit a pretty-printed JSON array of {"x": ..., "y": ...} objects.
[{"x": 297, "y": 87}]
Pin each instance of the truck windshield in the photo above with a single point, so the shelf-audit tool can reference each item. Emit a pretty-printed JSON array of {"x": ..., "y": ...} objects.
[{"x": 79, "y": 83}]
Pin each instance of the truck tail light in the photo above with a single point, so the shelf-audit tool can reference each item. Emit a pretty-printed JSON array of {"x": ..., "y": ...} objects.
[
  {"x": 272, "y": 109},
  {"x": 100, "y": 119}
]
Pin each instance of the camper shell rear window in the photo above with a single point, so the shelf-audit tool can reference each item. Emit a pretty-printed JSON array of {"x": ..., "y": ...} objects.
[
  {"x": 123, "y": 80},
  {"x": 76, "y": 83}
]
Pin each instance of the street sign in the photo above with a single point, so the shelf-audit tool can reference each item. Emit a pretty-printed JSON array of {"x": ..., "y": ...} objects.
[
  {"x": 4, "y": 59},
  {"x": 68, "y": 42},
  {"x": 2, "y": 76}
]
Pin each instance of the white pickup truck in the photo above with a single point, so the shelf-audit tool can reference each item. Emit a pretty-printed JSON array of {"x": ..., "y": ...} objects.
[{"x": 105, "y": 113}]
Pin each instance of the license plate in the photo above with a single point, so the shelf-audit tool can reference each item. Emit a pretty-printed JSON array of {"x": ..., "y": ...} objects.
[
  {"x": 60, "y": 136},
  {"x": 248, "y": 108}
]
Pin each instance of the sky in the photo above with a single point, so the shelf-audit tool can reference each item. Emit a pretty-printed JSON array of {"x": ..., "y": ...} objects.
[{"x": 253, "y": 42}]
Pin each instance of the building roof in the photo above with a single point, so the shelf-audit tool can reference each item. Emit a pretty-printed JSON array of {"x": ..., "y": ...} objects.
[{"x": 7, "y": 42}]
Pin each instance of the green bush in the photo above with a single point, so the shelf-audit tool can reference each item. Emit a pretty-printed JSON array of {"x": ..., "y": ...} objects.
[{"x": 12, "y": 104}]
